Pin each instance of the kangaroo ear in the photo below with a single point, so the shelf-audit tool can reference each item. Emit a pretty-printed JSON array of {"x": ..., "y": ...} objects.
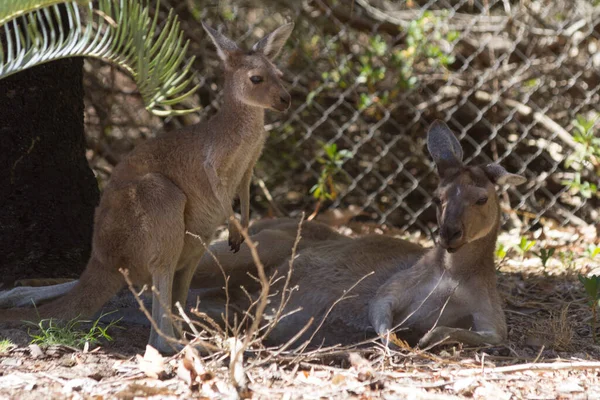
[
  {"x": 225, "y": 46},
  {"x": 271, "y": 45},
  {"x": 498, "y": 174},
  {"x": 443, "y": 146}
]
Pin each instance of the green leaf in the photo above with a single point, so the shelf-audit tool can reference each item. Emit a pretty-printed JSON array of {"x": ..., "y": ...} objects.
[
  {"x": 331, "y": 150},
  {"x": 378, "y": 46},
  {"x": 11, "y": 9},
  {"x": 500, "y": 251},
  {"x": 310, "y": 97},
  {"x": 591, "y": 285},
  {"x": 345, "y": 154},
  {"x": 316, "y": 191},
  {"x": 120, "y": 32},
  {"x": 452, "y": 36},
  {"x": 526, "y": 245}
]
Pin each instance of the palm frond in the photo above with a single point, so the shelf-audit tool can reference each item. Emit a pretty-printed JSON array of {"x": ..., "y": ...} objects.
[
  {"x": 11, "y": 9},
  {"x": 118, "y": 31}
]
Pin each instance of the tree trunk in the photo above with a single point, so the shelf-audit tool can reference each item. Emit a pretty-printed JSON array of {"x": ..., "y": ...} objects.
[{"x": 48, "y": 192}]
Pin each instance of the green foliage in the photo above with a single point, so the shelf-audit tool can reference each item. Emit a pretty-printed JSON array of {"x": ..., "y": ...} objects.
[
  {"x": 422, "y": 40},
  {"x": 584, "y": 159},
  {"x": 501, "y": 251},
  {"x": 364, "y": 101},
  {"x": 370, "y": 72},
  {"x": 372, "y": 58},
  {"x": 544, "y": 255},
  {"x": 584, "y": 188},
  {"x": 567, "y": 258},
  {"x": 332, "y": 163},
  {"x": 10, "y": 10},
  {"x": 228, "y": 14},
  {"x": 530, "y": 83},
  {"x": 584, "y": 134},
  {"x": 5, "y": 345},
  {"x": 591, "y": 285},
  {"x": 121, "y": 32},
  {"x": 525, "y": 245},
  {"x": 592, "y": 251},
  {"x": 49, "y": 332}
]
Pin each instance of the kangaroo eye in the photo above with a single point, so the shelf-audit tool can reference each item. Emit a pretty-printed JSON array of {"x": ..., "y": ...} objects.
[
  {"x": 256, "y": 79},
  {"x": 437, "y": 201},
  {"x": 481, "y": 201}
]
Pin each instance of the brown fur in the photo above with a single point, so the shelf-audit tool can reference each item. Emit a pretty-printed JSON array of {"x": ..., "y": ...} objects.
[
  {"x": 180, "y": 181},
  {"x": 409, "y": 285}
]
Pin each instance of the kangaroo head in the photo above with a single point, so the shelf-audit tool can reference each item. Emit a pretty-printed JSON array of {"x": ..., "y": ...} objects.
[
  {"x": 466, "y": 198},
  {"x": 252, "y": 77}
]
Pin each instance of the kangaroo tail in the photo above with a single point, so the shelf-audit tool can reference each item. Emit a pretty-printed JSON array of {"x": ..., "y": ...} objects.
[
  {"x": 25, "y": 296},
  {"x": 95, "y": 287}
]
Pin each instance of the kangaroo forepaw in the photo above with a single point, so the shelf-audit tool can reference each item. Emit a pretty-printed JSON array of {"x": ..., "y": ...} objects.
[
  {"x": 235, "y": 240},
  {"x": 435, "y": 337}
]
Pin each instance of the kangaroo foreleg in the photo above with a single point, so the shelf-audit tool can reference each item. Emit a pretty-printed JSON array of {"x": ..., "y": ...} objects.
[
  {"x": 444, "y": 335},
  {"x": 489, "y": 327},
  {"x": 235, "y": 237},
  {"x": 218, "y": 189}
]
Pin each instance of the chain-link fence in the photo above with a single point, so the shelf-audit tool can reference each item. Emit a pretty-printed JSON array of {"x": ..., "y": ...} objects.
[{"x": 517, "y": 81}]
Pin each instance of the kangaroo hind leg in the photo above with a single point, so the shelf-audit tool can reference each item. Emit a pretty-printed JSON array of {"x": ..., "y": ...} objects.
[{"x": 162, "y": 233}]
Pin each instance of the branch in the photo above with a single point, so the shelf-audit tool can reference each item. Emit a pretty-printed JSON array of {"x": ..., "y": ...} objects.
[
  {"x": 288, "y": 278},
  {"x": 536, "y": 367}
]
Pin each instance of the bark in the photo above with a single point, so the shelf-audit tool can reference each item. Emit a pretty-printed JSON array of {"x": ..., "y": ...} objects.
[{"x": 48, "y": 192}]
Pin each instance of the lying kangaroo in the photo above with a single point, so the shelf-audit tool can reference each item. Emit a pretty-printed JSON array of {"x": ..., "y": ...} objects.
[
  {"x": 446, "y": 293},
  {"x": 180, "y": 181}
]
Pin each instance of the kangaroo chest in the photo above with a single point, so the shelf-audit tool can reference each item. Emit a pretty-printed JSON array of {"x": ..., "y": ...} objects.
[
  {"x": 243, "y": 162},
  {"x": 441, "y": 301},
  {"x": 203, "y": 211}
]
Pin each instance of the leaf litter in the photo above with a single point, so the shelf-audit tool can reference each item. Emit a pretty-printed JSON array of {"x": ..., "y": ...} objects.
[{"x": 550, "y": 352}]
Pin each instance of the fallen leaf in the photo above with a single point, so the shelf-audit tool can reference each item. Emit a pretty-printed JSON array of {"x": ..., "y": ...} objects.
[
  {"x": 236, "y": 362},
  {"x": 569, "y": 387},
  {"x": 36, "y": 351},
  {"x": 465, "y": 385},
  {"x": 191, "y": 368},
  {"x": 363, "y": 367},
  {"x": 402, "y": 344},
  {"x": 338, "y": 379},
  {"x": 489, "y": 390},
  {"x": 153, "y": 364},
  {"x": 377, "y": 385}
]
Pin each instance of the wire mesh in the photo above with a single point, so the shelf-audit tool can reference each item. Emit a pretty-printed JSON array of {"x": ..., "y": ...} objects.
[{"x": 517, "y": 81}]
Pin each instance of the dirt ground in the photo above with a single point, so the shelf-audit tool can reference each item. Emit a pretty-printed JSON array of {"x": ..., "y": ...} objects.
[{"x": 550, "y": 353}]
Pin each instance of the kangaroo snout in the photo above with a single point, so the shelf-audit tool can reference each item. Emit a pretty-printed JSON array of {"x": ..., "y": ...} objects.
[
  {"x": 451, "y": 237},
  {"x": 284, "y": 101}
]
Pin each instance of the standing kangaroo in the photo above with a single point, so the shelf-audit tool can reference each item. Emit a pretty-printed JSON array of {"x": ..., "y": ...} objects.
[
  {"x": 180, "y": 181},
  {"x": 446, "y": 293}
]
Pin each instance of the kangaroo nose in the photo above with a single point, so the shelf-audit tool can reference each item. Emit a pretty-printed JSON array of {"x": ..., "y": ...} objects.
[
  {"x": 285, "y": 99},
  {"x": 451, "y": 234},
  {"x": 455, "y": 234}
]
